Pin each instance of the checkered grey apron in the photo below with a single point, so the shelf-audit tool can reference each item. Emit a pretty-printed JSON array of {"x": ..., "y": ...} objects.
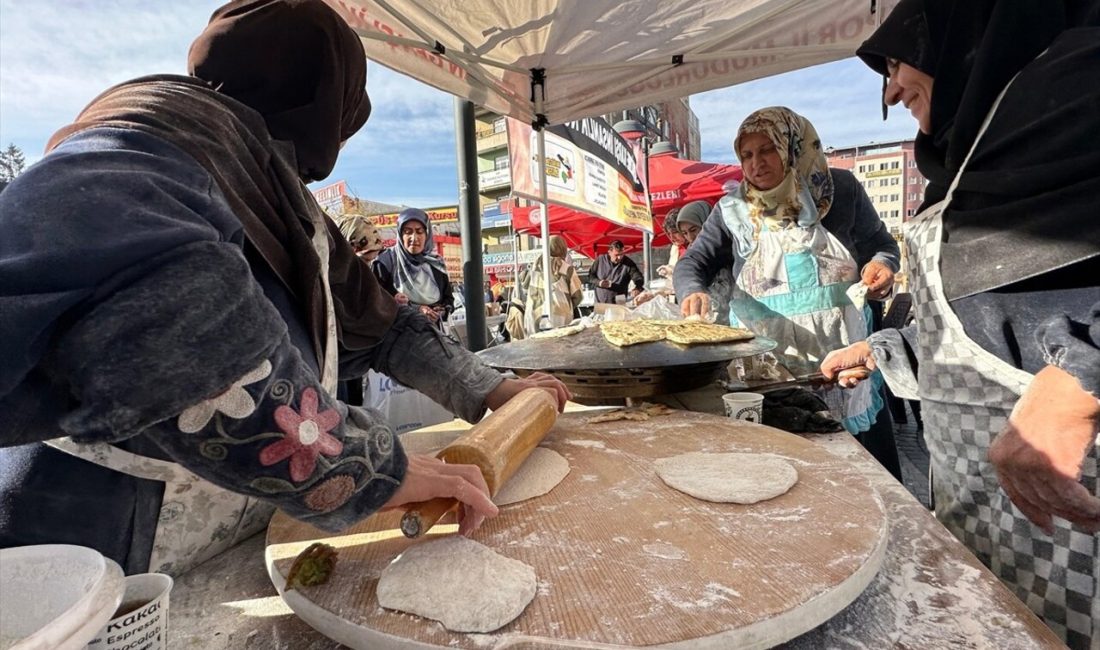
[{"x": 966, "y": 397}]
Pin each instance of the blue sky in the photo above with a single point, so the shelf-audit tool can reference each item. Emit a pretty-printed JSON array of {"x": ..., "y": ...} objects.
[{"x": 55, "y": 56}]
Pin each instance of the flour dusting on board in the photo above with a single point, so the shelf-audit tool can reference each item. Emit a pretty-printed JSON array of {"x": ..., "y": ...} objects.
[
  {"x": 664, "y": 551},
  {"x": 713, "y": 595},
  {"x": 587, "y": 444}
]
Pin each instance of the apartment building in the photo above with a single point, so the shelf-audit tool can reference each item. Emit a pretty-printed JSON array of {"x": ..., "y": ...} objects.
[{"x": 888, "y": 172}]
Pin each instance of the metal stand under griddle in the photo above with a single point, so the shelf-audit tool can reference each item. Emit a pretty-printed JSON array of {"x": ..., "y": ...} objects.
[{"x": 597, "y": 372}]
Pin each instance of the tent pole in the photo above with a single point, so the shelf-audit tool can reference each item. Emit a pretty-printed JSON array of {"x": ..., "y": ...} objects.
[
  {"x": 647, "y": 237},
  {"x": 469, "y": 220},
  {"x": 515, "y": 261},
  {"x": 545, "y": 227}
]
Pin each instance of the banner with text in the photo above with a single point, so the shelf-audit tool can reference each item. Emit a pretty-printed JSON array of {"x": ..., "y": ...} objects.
[
  {"x": 436, "y": 215},
  {"x": 589, "y": 167}
]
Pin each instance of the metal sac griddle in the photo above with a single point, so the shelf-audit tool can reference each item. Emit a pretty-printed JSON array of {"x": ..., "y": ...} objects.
[{"x": 598, "y": 372}]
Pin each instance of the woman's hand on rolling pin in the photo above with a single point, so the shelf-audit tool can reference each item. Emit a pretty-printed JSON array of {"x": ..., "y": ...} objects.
[
  {"x": 849, "y": 365},
  {"x": 696, "y": 304},
  {"x": 427, "y": 477},
  {"x": 509, "y": 388},
  {"x": 879, "y": 280}
]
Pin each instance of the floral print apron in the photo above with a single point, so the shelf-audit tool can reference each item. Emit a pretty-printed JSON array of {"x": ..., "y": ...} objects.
[
  {"x": 792, "y": 288},
  {"x": 967, "y": 395}
]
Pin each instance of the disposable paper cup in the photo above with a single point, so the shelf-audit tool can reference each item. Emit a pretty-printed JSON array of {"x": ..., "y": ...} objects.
[
  {"x": 744, "y": 406},
  {"x": 141, "y": 621}
]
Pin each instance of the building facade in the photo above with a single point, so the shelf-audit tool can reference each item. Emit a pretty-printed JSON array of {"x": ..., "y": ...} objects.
[{"x": 889, "y": 175}]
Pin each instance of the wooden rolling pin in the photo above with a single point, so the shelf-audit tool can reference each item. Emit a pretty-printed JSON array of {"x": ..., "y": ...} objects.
[{"x": 498, "y": 445}]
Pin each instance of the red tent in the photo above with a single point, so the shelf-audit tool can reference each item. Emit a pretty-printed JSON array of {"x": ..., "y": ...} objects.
[
  {"x": 673, "y": 183},
  {"x": 583, "y": 232}
]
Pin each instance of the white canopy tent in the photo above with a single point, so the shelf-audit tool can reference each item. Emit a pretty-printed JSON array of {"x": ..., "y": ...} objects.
[{"x": 549, "y": 61}]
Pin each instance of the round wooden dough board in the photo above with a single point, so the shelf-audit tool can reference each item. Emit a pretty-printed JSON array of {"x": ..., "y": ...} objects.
[{"x": 624, "y": 560}]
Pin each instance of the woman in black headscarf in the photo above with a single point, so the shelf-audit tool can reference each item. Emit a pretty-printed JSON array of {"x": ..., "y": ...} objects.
[
  {"x": 1005, "y": 265},
  {"x": 177, "y": 306}
]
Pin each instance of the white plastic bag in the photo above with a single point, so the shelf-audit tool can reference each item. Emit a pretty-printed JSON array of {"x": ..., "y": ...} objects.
[
  {"x": 659, "y": 308},
  {"x": 404, "y": 408}
]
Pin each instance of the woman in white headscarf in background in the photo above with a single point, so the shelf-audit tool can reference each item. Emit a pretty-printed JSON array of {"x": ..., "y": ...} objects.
[{"x": 412, "y": 271}]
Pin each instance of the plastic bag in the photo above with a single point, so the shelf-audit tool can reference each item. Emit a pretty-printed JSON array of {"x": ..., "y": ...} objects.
[
  {"x": 659, "y": 308},
  {"x": 404, "y": 408}
]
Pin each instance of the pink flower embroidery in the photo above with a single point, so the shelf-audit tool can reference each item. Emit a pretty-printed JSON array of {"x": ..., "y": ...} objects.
[{"x": 306, "y": 437}]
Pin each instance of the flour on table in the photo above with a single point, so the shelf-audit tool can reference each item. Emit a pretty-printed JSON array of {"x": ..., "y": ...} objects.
[
  {"x": 728, "y": 478},
  {"x": 464, "y": 585},
  {"x": 540, "y": 473}
]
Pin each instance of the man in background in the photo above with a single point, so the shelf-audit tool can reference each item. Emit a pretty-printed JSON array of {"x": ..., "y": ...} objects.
[{"x": 612, "y": 272}]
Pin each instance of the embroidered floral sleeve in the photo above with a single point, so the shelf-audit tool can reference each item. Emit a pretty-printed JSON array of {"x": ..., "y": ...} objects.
[{"x": 277, "y": 435}]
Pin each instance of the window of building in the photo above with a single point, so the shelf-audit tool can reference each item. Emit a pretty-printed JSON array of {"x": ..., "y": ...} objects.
[
  {"x": 894, "y": 214},
  {"x": 501, "y": 162},
  {"x": 882, "y": 166},
  {"x": 909, "y": 212},
  {"x": 499, "y": 125},
  {"x": 894, "y": 180},
  {"x": 912, "y": 164},
  {"x": 882, "y": 214},
  {"x": 882, "y": 182},
  {"x": 895, "y": 197},
  {"x": 860, "y": 169},
  {"x": 894, "y": 165}
]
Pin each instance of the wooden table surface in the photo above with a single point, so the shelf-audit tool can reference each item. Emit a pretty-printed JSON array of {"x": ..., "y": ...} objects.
[
  {"x": 929, "y": 593},
  {"x": 622, "y": 559}
]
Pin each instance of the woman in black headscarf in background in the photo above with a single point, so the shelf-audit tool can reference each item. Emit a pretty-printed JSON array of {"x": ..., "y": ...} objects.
[
  {"x": 177, "y": 306},
  {"x": 1005, "y": 259}
]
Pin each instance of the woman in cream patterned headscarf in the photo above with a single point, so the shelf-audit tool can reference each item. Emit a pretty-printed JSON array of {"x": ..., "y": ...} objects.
[
  {"x": 791, "y": 273},
  {"x": 363, "y": 236}
]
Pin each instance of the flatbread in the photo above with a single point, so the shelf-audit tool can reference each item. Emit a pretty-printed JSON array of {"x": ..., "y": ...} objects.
[
  {"x": 656, "y": 409},
  {"x": 618, "y": 414},
  {"x": 633, "y": 332},
  {"x": 568, "y": 330},
  {"x": 462, "y": 584},
  {"x": 641, "y": 413},
  {"x": 728, "y": 478},
  {"x": 692, "y": 332},
  {"x": 538, "y": 475}
]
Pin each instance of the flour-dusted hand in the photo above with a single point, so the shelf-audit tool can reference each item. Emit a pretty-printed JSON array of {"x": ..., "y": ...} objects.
[
  {"x": 428, "y": 477},
  {"x": 879, "y": 280},
  {"x": 509, "y": 388},
  {"x": 1040, "y": 452},
  {"x": 849, "y": 365},
  {"x": 696, "y": 304}
]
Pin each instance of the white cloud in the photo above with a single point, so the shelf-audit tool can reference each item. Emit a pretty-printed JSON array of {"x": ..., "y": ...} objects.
[{"x": 841, "y": 99}]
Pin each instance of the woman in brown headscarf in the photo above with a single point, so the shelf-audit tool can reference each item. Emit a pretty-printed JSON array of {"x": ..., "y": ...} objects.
[{"x": 175, "y": 298}]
